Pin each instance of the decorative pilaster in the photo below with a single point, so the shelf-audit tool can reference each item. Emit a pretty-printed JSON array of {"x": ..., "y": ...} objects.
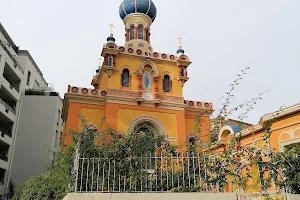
[
  {"x": 155, "y": 87},
  {"x": 135, "y": 32},
  {"x": 139, "y": 99},
  {"x": 156, "y": 95},
  {"x": 127, "y": 35},
  {"x": 144, "y": 34},
  {"x": 139, "y": 85}
]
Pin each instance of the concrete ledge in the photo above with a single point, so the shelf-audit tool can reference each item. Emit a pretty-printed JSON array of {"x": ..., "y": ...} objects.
[{"x": 151, "y": 196}]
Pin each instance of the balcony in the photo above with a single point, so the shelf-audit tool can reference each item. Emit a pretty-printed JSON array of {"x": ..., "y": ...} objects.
[
  {"x": 4, "y": 151},
  {"x": 8, "y": 108},
  {"x": 11, "y": 82},
  {"x": 7, "y": 105},
  {"x": 15, "y": 63},
  {"x": 4, "y": 131}
]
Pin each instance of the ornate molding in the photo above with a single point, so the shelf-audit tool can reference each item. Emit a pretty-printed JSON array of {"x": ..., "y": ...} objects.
[
  {"x": 109, "y": 70},
  {"x": 160, "y": 127},
  {"x": 122, "y": 93},
  {"x": 171, "y": 99}
]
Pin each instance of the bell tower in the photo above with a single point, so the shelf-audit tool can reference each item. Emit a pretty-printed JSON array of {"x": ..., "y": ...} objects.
[{"x": 138, "y": 21}]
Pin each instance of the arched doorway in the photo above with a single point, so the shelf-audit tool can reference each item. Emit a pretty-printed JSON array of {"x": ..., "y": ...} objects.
[
  {"x": 147, "y": 124},
  {"x": 146, "y": 127}
]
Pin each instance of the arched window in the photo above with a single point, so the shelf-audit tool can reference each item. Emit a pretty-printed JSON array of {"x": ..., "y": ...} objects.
[
  {"x": 125, "y": 78},
  {"x": 110, "y": 61},
  {"x": 131, "y": 32},
  {"x": 182, "y": 72},
  {"x": 147, "y": 35},
  {"x": 140, "y": 32},
  {"x": 166, "y": 83},
  {"x": 192, "y": 143}
]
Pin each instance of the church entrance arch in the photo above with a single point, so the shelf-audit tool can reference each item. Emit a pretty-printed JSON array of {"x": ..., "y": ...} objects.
[{"x": 147, "y": 124}]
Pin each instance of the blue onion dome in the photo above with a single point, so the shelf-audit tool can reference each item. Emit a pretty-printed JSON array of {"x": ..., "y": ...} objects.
[
  {"x": 111, "y": 38},
  {"x": 146, "y": 7},
  {"x": 180, "y": 51}
]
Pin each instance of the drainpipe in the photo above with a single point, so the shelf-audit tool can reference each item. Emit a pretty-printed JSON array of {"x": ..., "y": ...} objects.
[{"x": 13, "y": 145}]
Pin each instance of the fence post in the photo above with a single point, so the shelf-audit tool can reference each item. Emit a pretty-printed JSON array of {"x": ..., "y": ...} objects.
[{"x": 75, "y": 170}]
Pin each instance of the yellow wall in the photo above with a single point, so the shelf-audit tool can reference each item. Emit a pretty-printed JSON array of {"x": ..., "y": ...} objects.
[
  {"x": 92, "y": 116},
  {"x": 125, "y": 116}
]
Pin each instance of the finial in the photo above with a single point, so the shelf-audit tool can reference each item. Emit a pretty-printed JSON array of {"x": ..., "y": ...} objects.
[
  {"x": 180, "y": 42},
  {"x": 111, "y": 30}
]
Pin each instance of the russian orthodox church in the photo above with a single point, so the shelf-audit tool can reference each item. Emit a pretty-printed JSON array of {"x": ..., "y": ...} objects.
[{"x": 138, "y": 88}]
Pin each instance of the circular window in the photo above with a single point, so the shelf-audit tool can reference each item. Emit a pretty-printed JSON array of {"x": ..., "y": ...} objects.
[
  {"x": 207, "y": 105},
  {"x": 191, "y": 103},
  {"x": 130, "y": 50},
  {"x": 75, "y": 89},
  {"x": 94, "y": 92},
  {"x": 84, "y": 90},
  {"x": 139, "y": 52},
  {"x": 164, "y": 56},
  {"x": 199, "y": 104},
  {"x": 155, "y": 54},
  {"x": 103, "y": 93},
  {"x": 172, "y": 57},
  {"x": 122, "y": 49}
]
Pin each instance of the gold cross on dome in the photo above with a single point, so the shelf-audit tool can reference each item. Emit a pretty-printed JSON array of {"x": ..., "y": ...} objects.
[
  {"x": 111, "y": 29},
  {"x": 180, "y": 42}
]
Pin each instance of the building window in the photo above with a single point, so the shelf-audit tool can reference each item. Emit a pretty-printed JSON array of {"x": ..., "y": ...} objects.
[
  {"x": 131, "y": 32},
  {"x": 147, "y": 35},
  {"x": 56, "y": 139},
  {"x": 60, "y": 138},
  {"x": 28, "y": 77},
  {"x": 182, "y": 72},
  {"x": 58, "y": 117},
  {"x": 110, "y": 61},
  {"x": 125, "y": 78},
  {"x": 140, "y": 32},
  {"x": 166, "y": 83},
  {"x": 54, "y": 158}
]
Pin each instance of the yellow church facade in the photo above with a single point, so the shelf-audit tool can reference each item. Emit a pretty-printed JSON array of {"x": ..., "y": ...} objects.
[{"x": 137, "y": 88}]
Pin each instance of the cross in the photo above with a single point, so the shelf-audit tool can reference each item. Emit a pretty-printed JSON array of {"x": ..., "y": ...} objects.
[
  {"x": 111, "y": 29},
  {"x": 180, "y": 42}
]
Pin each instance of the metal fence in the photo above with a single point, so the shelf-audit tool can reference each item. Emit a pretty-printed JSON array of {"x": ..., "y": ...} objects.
[{"x": 150, "y": 173}]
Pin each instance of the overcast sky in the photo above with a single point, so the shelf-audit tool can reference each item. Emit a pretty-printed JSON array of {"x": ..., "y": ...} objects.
[{"x": 65, "y": 37}]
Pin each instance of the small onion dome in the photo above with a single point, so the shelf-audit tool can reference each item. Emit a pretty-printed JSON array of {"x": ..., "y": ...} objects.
[
  {"x": 180, "y": 51},
  {"x": 97, "y": 71},
  {"x": 146, "y": 7},
  {"x": 111, "y": 38}
]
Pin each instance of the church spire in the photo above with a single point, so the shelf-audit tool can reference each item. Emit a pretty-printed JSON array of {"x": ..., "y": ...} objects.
[{"x": 180, "y": 51}]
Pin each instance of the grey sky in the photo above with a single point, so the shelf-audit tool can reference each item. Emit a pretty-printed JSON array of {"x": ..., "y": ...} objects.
[{"x": 65, "y": 37}]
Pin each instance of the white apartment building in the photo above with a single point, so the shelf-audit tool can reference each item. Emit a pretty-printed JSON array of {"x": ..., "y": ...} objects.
[{"x": 19, "y": 74}]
